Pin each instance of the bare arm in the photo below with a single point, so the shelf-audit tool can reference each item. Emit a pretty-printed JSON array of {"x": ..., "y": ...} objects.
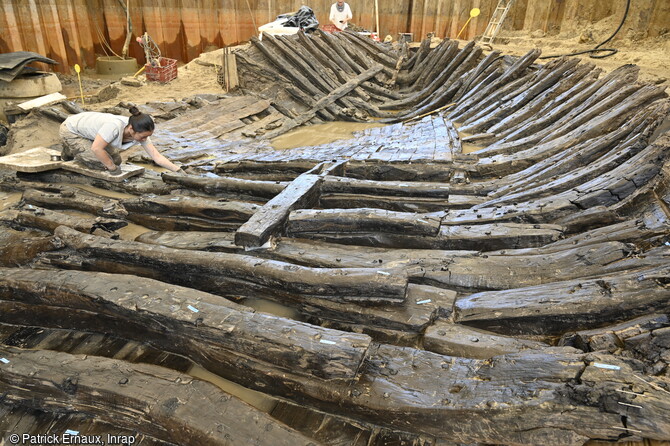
[
  {"x": 98, "y": 148},
  {"x": 159, "y": 158}
]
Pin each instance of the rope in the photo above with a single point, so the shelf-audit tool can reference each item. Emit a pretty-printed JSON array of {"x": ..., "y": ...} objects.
[
  {"x": 101, "y": 37},
  {"x": 596, "y": 49},
  {"x": 253, "y": 19},
  {"x": 151, "y": 51}
]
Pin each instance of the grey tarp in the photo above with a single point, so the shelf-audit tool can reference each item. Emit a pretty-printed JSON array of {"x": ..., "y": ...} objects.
[{"x": 12, "y": 64}]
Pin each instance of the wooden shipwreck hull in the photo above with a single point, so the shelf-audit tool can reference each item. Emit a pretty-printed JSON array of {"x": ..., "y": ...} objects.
[{"x": 516, "y": 294}]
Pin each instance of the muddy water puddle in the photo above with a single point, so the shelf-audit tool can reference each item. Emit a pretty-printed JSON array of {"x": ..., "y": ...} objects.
[
  {"x": 469, "y": 148},
  {"x": 273, "y": 308},
  {"x": 258, "y": 400},
  {"x": 335, "y": 131},
  {"x": 321, "y": 134}
]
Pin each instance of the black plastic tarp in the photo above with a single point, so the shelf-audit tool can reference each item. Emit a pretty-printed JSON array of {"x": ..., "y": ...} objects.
[
  {"x": 304, "y": 19},
  {"x": 12, "y": 64}
]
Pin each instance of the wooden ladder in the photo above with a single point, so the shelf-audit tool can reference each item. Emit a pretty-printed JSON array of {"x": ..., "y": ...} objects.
[{"x": 496, "y": 21}]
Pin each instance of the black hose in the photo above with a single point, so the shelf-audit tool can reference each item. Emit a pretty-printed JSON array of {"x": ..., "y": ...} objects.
[{"x": 597, "y": 49}]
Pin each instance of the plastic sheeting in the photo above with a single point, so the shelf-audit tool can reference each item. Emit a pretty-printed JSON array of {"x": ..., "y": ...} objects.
[
  {"x": 13, "y": 64},
  {"x": 304, "y": 19}
]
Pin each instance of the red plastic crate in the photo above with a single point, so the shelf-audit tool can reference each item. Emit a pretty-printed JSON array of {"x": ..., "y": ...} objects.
[
  {"x": 166, "y": 72},
  {"x": 330, "y": 28}
]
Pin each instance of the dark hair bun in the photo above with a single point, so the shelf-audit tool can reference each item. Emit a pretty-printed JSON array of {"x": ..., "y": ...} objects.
[{"x": 134, "y": 111}]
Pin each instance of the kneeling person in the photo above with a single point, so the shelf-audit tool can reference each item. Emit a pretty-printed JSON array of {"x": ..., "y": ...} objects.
[{"x": 95, "y": 139}]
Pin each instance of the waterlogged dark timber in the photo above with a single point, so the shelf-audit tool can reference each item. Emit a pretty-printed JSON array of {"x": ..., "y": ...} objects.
[
  {"x": 148, "y": 400},
  {"x": 538, "y": 375},
  {"x": 433, "y": 265},
  {"x": 174, "y": 318},
  {"x": 246, "y": 275}
]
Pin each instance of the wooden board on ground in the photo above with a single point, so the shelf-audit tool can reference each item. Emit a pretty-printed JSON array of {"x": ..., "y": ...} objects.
[
  {"x": 43, "y": 100},
  {"x": 128, "y": 170},
  {"x": 33, "y": 160}
]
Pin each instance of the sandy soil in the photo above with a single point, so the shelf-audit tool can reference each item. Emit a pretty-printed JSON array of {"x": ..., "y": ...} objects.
[
  {"x": 652, "y": 55},
  {"x": 198, "y": 76}
]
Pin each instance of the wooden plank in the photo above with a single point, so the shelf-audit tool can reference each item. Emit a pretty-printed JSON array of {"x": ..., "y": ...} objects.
[
  {"x": 153, "y": 26},
  {"x": 222, "y": 186},
  {"x": 334, "y": 184},
  {"x": 32, "y": 160},
  {"x": 272, "y": 216},
  {"x": 190, "y": 22},
  {"x": 41, "y": 101},
  {"x": 128, "y": 170},
  {"x": 53, "y": 30},
  {"x": 148, "y": 183},
  {"x": 349, "y": 221},
  {"x": 612, "y": 337},
  {"x": 66, "y": 197},
  {"x": 20, "y": 247},
  {"x": 208, "y": 209},
  {"x": 22, "y": 420},
  {"x": 70, "y": 33},
  {"x": 37, "y": 30},
  {"x": 83, "y": 20}
]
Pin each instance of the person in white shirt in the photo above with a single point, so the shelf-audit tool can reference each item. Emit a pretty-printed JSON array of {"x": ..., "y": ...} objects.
[
  {"x": 340, "y": 14},
  {"x": 95, "y": 139}
]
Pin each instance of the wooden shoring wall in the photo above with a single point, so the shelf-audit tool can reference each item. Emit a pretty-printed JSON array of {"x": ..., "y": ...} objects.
[{"x": 73, "y": 31}]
